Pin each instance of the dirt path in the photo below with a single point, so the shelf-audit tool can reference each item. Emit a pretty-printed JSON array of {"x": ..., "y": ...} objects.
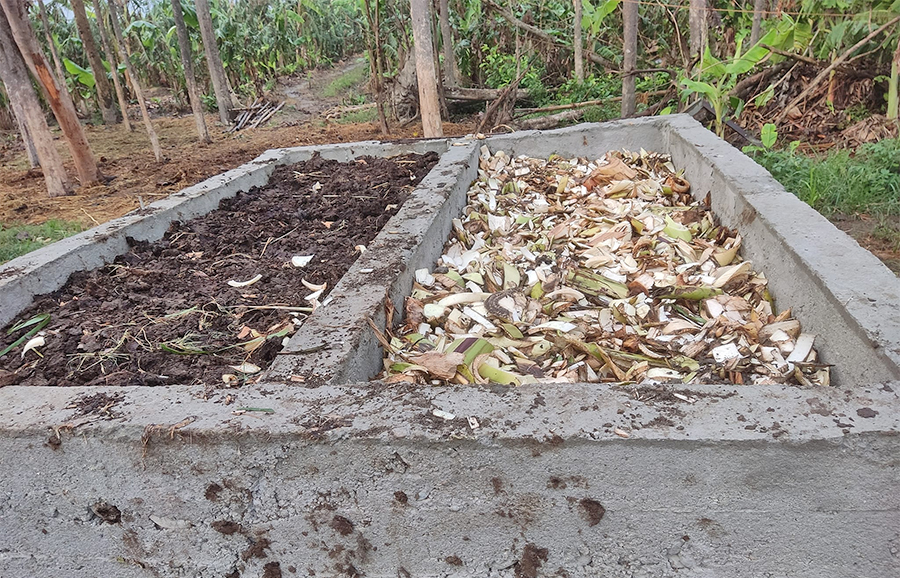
[{"x": 309, "y": 94}]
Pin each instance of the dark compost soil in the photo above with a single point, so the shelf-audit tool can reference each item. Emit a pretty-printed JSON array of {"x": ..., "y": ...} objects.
[{"x": 164, "y": 313}]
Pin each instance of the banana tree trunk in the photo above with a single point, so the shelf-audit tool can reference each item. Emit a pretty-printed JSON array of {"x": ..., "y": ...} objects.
[
  {"x": 59, "y": 100},
  {"x": 113, "y": 63},
  {"x": 29, "y": 114},
  {"x": 429, "y": 105},
  {"x": 759, "y": 6},
  {"x": 373, "y": 40},
  {"x": 135, "y": 85},
  {"x": 214, "y": 61},
  {"x": 697, "y": 26},
  {"x": 34, "y": 160},
  {"x": 451, "y": 72},
  {"x": 184, "y": 45},
  {"x": 577, "y": 42},
  {"x": 629, "y": 58},
  {"x": 101, "y": 84},
  {"x": 60, "y": 73},
  {"x": 893, "y": 88}
]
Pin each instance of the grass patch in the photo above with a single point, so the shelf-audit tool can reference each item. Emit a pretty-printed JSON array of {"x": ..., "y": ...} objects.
[
  {"x": 16, "y": 240},
  {"x": 863, "y": 181},
  {"x": 343, "y": 83},
  {"x": 368, "y": 115}
]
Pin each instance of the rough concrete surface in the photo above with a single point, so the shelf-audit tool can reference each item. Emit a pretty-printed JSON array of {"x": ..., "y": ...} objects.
[
  {"x": 749, "y": 481},
  {"x": 359, "y": 479}
]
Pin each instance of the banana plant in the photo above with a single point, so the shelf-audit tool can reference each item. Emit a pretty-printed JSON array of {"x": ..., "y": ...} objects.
[
  {"x": 593, "y": 16},
  {"x": 719, "y": 77}
]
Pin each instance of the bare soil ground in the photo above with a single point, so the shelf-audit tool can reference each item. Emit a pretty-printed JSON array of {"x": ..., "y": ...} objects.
[{"x": 137, "y": 178}]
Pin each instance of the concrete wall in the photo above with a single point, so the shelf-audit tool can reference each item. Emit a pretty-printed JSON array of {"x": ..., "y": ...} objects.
[{"x": 735, "y": 482}]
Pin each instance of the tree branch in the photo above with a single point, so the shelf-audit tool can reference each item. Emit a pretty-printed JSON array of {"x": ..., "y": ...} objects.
[
  {"x": 538, "y": 33},
  {"x": 837, "y": 62}
]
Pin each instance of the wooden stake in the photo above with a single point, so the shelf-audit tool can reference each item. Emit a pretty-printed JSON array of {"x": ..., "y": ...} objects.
[{"x": 425, "y": 72}]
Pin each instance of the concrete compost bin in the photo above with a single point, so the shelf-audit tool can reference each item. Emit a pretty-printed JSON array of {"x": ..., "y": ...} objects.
[{"x": 346, "y": 477}]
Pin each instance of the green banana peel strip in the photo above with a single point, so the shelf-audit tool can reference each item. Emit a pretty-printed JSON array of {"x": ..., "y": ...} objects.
[
  {"x": 675, "y": 230},
  {"x": 39, "y": 321},
  {"x": 596, "y": 284},
  {"x": 497, "y": 375},
  {"x": 691, "y": 293},
  {"x": 470, "y": 347},
  {"x": 684, "y": 312}
]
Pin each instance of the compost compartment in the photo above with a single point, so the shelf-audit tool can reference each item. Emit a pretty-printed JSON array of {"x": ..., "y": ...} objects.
[{"x": 214, "y": 299}]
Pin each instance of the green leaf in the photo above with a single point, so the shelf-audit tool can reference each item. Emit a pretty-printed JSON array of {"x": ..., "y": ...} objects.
[
  {"x": 699, "y": 87},
  {"x": 737, "y": 104},
  {"x": 768, "y": 135},
  {"x": 43, "y": 319},
  {"x": 295, "y": 17},
  {"x": 139, "y": 25},
  {"x": 82, "y": 75},
  {"x": 803, "y": 35},
  {"x": 764, "y": 98},
  {"x": 592, "y": 19},
  {"x": 746, "y": 62},
  {"x": 711, "y": 65},
  {"x": 190, "y": 16}
]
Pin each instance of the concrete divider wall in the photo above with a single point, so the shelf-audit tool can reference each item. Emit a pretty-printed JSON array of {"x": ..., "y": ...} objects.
[{"x": 326, "y": 351}]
